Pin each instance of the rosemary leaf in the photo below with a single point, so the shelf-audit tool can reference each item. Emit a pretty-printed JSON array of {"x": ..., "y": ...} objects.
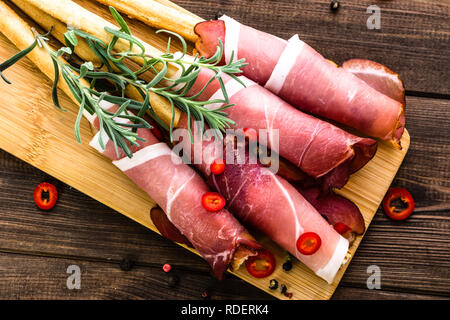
[{"x": 8, "y": 63}]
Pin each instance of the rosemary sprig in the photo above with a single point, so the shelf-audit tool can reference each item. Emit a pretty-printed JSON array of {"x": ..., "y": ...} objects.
[
  {"x": 177, "y": 90},
  {"x": 91, "y": 103},
  {"x": 119, "y": 74}
]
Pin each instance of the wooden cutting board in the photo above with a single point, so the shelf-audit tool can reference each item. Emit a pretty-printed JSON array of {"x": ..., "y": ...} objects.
[{"x": 34, "y": 131}]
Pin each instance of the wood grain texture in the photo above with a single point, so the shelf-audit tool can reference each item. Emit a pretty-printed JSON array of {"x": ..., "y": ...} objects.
[
  {"x": 38, "y": 277},
  {"x": 91, "y": 232}
]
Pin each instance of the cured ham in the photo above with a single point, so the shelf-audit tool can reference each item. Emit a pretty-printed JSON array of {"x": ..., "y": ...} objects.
[
  {"x": 304, "y": 78},
  {"x": 267, "y": 202},
  {"x": 219, "y": 238},
  {"x": 318, "y": 148}
]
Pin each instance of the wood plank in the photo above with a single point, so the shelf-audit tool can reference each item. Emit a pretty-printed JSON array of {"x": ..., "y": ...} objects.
[
  {"x": 78, "y": 226},
  {"x": 414, "y": 39},
  {"x": 94, "y": 175},
  {"x": 37, "y": 277}
]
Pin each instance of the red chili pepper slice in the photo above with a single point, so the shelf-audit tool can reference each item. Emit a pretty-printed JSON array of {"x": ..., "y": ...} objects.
[
  {"x": 45, "y": 196},
  {"x": 212, "y": 201},
  {"x": 308, "y": 243},
  {"x": 341, "y": 228},
  {"x": 261, "y": 265},
  {"x": 218, "y": 166},
  {"x": 398, "y": 194}
]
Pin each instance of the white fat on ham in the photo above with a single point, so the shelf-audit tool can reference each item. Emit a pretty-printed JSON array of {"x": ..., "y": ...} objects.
[
  {"x": 298, "y": 227},
  {"x": 285, "y": 64},
  {"x": 142, "y": 156},
  {"x": 95, "y": 142},
  {"x": 232, "y": 30},
  {"x": 337, "y": 260},
  {"x": 173, "y": 193}
]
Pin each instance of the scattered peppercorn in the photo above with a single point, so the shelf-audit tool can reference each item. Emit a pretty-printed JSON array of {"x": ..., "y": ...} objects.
[
  {"x": 284, "y": 291},
  {"x": 288, "y": 294},
  {"x": 218, "y": 15},
  {"x": 273, "y": 285},
  {"x": 205, "y": 294},
  {"x": 126, "y": 264},
  {"x": 334, "y": 5},
  {"x": 173, "y": 281},
  {"x": 167, "y": 267},
  {"x": 287, "y": 266}
]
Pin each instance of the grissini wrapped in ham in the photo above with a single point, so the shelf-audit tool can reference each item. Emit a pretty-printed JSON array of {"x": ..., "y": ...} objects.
[
  {"x": 267, "y": 202},
  {"x": 318, "y": 148},
  {"x": 346, "y": 152},
  {"x": 304, "y": 78},
  {"x": 218, "y": 237}
]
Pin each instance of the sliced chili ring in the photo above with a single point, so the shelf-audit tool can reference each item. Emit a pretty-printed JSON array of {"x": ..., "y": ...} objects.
[
  {"x": 398, "y": 194},
  {"x": 213, "y": 201},
  {"x": 308, "y": 243},
  {"x": 45, "y": 196},
  {"x": 262, "y": 265},
  {"x": 218, "y": 166}
]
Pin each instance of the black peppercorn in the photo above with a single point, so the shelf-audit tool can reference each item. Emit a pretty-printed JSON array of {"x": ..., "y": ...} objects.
[
  {"x": 334, "y": 5},
  {"x": 273, "y": 285},
  {"x": 218, "y": 15},
  {"x": 287, "y": 265},
  {"x": 283, "y": 289},
  {"x": 173, "y": 281},
  {"x": 126, "y": 264}
]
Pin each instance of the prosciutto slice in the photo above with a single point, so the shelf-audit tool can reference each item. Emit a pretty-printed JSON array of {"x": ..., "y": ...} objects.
[
  {"x": 304, "y": 78},
  {"x": 219, "y": 238},
  {"x": 267, "y": 202},
  {"x": 318, "y": 148}
]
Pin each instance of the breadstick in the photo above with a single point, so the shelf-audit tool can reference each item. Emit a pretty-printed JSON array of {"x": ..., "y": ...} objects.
[
  {"x": 161, "y": 106},
  {"x": 20, "y": 34},
  {"x": 76, "y": 16},
  {"x": 158, "y": 14}
]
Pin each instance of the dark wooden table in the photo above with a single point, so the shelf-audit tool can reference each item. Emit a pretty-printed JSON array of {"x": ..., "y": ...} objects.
[{"x": 36, "y": 248}]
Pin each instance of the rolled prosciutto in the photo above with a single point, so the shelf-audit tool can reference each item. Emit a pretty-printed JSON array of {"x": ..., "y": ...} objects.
[
  {"x": 301, "y": 76},
  {"x": 317, "y": 147},
  {"x": 219, "y": 238},
  {"x": 267, "y": 202}
]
